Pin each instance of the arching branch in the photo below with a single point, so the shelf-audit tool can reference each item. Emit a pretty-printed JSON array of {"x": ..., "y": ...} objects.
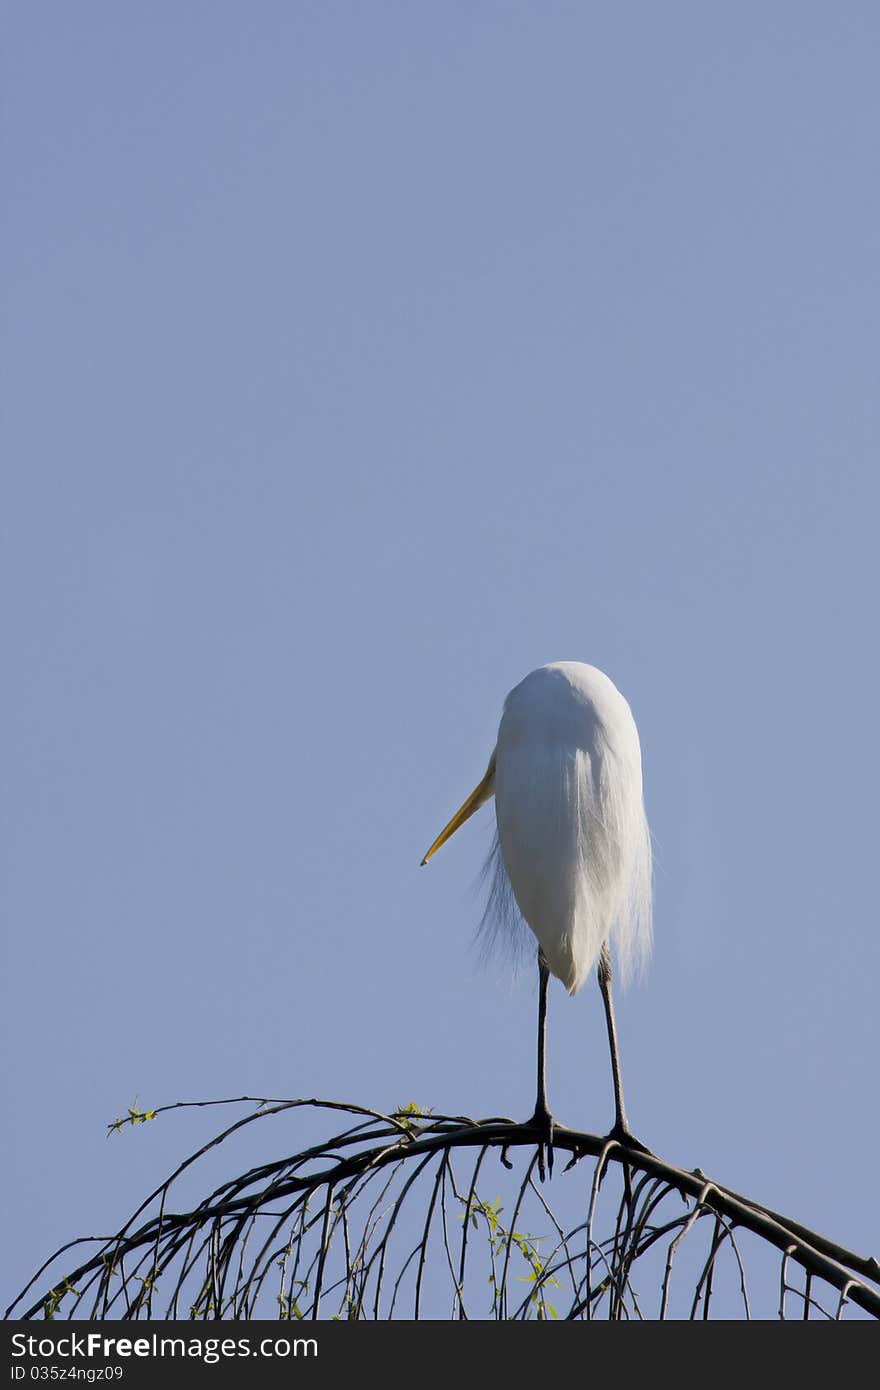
[{"x": 337, "y": 1217}]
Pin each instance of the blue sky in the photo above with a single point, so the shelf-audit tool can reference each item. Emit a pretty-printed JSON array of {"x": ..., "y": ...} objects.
[{"x": 357, "y": 360}]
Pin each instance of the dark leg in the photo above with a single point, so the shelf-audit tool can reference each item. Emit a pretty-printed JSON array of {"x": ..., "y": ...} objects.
[
  {"x": 542, "y": 1115},
  {"x": 542, "y": 1119},
  {"x": 621, "y": 1129}
]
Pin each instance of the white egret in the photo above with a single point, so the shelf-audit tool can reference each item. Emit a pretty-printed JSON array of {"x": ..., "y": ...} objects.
[{"x": 572, "y": 840}]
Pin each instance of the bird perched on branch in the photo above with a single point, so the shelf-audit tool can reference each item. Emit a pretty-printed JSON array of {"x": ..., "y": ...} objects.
[{"x": 572, "y": 845}]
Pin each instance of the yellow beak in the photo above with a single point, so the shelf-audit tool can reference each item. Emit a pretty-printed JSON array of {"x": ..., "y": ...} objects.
[{"x": 476, "y": 799}]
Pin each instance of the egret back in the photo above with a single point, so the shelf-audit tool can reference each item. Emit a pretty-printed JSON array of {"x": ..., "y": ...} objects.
[{"x": 572, "y": 832}]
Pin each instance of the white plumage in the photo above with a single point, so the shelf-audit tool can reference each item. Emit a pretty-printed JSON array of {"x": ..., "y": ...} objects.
[{"x": 572, "y": 830}]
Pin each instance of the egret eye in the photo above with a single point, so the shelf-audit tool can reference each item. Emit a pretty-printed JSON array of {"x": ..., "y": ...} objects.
[{"x": 573, "y": 846}]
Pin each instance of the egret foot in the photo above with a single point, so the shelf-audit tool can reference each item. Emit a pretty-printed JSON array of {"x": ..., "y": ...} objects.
[
  {"x": 544, "y": 1123},
  {"x": 542, "y": 1119},
  {"x": 624, "y": 1135}
]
